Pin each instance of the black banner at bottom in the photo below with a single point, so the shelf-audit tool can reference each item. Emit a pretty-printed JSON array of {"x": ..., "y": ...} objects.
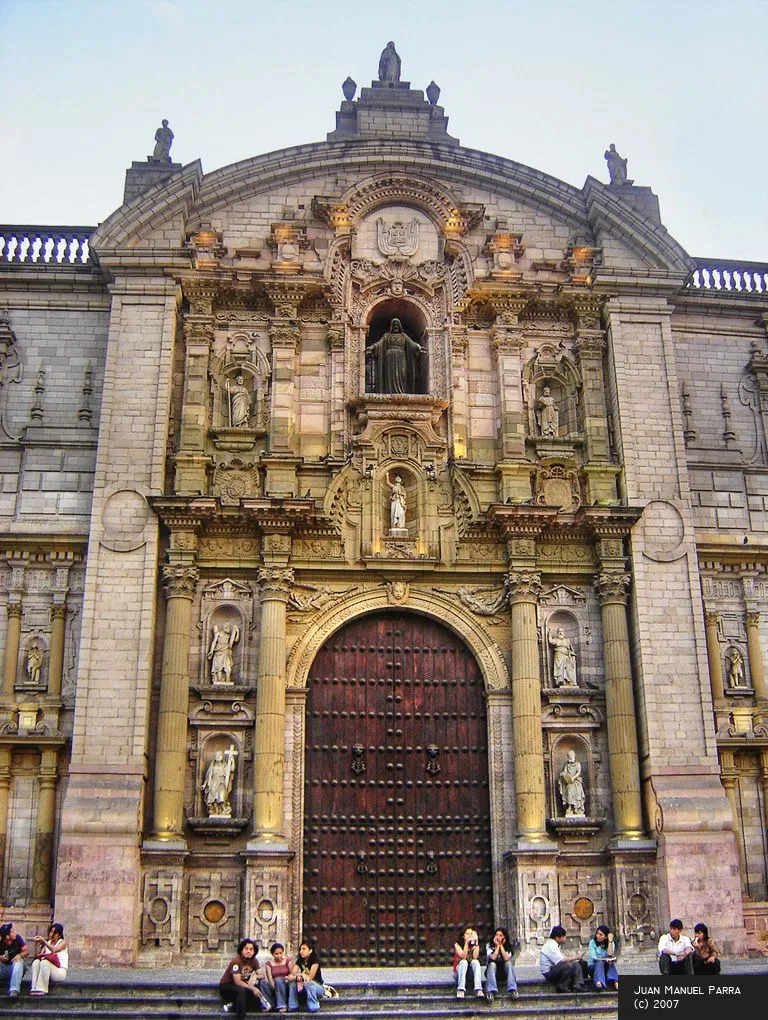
[{"x": 692, "y": 998}]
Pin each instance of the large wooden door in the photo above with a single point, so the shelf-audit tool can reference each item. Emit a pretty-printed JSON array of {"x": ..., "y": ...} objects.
[{"x": 396, "y": 823}]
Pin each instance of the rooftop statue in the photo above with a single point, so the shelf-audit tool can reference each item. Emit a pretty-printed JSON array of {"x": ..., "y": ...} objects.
[
  {"x": 389, "y": 65},
  {"x": 163, "y": 139},
  {"x": 617, "y": 167}
]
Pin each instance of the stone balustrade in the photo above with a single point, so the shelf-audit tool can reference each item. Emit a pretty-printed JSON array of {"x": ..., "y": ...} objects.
[
  {"x": 42, "y": 247},
  {"x": 730, "y": 275}
]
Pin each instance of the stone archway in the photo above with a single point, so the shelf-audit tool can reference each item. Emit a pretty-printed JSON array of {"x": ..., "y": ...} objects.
[{"x": 397, "y": 821}]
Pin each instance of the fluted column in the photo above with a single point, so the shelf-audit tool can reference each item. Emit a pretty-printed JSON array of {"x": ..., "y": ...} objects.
[
  {"x": 524, "y": 587},
  {"x": 269, "y": 753},
  {"x": 179, "y": 583},
  {"x": 11, "y": 653},
  {"x": 46, "y": 807},
  {"x": 612, "y": 588},
  {"x": 756, "y": 664},
  {"x": 728, "y": 777},
  {"x": 5, "y": 785},
  {"x": 56, "y": 661},
  {"x": 713, "y": 655}
]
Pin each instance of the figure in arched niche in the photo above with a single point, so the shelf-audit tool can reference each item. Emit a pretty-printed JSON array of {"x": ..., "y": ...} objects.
[
  {"x": 736, "y": 676},
  {"x": 563, "y": 660},
  {"x": 397, "y": 360},
  {"x": 571, "y": 788},
  {"x": 238, "y": 403},
  {"x": 547, "y": 414},
  {"x": 397, "y": 503}
]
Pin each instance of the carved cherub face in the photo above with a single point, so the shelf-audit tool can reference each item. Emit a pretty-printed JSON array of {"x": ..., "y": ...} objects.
[{"x": 571, "y": 757}]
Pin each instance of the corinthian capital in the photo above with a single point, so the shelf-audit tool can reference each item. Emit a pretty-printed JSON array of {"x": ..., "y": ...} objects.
[
  {"x": 275, "y": 583},
  {"x": 180, "y": 581},
  {"x": 612, "y": 586},
  {"x": 523, "y": 585}
]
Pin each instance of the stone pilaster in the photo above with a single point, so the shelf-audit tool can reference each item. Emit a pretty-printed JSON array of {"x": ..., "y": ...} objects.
[
  {"x": 507, "y": 342},
  {"x": 612, "y": 589},
  {"x": 5, "y": 785},
  {"x": 285, "y": 338},
  {"x": 180, "y": 581},
  {"x": 756, "y": 662},
  {"x": 524, "y": 587},
  {"x": 191, "y": 460},
  {"x": 729, "y": 777},
  {"x": 459, "y": 409},
  {"x": 11, "y": 652},
  {"x": 46, "y": 810},
  {"x": 56, "y": 661},
  {"x": 337, "y": 349},
  {"x": 711, "y": 617},
  {"x": 275, "y": 579}
]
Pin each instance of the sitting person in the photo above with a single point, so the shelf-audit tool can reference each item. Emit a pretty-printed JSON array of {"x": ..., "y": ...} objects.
[
  {"x": 601, "y": 958},
  {"x": 51, "y": 961},
  {"x": 500, "y": 964},
  {"x": 311, "y": 976},
  {"x": 706, "y": 959},
  {"x": 281, "y": 975},
  {"x": 239, "y": 982},
  {"x": 466, "y": 953},
  {"x": 675, "y": 950},
  {"x": 564, "y": 972},
  {"x": 13, "y": 949}
]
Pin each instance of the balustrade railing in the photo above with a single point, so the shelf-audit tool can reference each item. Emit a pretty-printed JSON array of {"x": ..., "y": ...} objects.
[
  {"x": 42, "y": 247},
  {"x": 729, "y": 275}
]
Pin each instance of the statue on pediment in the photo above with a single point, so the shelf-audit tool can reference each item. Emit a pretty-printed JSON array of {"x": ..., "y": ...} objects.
[{"x": 163, "y": 140}]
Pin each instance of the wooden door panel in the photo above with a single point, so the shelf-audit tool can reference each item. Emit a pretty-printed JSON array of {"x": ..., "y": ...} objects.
[{"x": 397, "y": 838}]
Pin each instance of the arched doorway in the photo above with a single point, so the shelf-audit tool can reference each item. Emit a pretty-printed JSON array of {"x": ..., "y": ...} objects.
[{"x": 397, "y": 852}]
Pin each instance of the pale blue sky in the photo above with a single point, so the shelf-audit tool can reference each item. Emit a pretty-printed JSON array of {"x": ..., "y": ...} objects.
[{"x": 679, "y": 86}]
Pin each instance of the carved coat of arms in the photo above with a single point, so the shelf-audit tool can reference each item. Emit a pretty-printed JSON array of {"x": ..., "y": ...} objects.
[{"x": 398, "y": 238}]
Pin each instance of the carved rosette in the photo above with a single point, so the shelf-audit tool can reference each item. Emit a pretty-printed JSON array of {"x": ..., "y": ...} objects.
[
  {"x": 275, "y": 583},
  {"x": 612, "y": 587},
  {"x": 523, "y": 585},
  {"x": 180, "y": 581}
]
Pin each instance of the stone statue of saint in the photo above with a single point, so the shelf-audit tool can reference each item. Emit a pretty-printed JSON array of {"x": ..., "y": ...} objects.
[
  {"x": 736, "y": 669},
  {"x": 617, "y": 167},
  {"x": 571, "y": 788},
  {"x": 163, "y": 139},
  {"x": 389, "y": 65},
  {"x": 34, "y": 664},
  {"x": 397, "y": 359},
  {"x": 239, "y": 404},
  {"x": 217, "y": 784},
  {"x": 220, "y": 652},
  {"x": 563, "y": 660},
  {"x": 547, "y": 414},
  {"x": 396, "y": 503}
]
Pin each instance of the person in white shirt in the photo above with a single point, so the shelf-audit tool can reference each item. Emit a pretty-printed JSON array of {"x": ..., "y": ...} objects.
[
  {"x": 565, "y": 972},
  {"x": 675, "y": 950}
]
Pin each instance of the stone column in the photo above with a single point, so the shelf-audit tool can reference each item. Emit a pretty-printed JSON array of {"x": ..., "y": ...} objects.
[
  {"x": 180, "y": 582},
  {"x": 191, "y": 459},
  {"x": 713, "y": 655},
  {"x": 5, "y": 785},
  {"x": 46, "y": 808},
  {"x": 56, "y": 660},
  {"x": 756, "y": 664},
  {"x": 11, "y": 653},
  {"x": 524, "y": 587},
  {"x": 612, "y": 588},
  {"x": 728, "y": 777},
  {"x": 458, "y": 410},
  {"x": 275, "y": 579},
  {"x": 338, "y": 371}
]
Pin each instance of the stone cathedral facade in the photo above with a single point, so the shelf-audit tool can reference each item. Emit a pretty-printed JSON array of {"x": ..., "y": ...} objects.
[{"x": 384, "y": 547}]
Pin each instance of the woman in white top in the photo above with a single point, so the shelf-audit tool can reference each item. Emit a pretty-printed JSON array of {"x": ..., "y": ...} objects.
[{"x": 52, "y": 959}]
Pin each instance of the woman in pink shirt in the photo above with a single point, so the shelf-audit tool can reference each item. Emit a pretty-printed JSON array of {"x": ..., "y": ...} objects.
[{"x": 282, "y": 974}]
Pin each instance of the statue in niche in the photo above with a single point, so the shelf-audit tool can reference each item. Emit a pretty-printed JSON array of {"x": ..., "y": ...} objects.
[
  {"x": 571, "y": 788},
  {"x": 34, "y": 664},
  {"x": 397, "y": 360},
  {"x": 563, "y": 660},
  {"x": 220, "y": 652},
  {"x": 617, "y": 167},
  {"x": 397, "y": 503},
  {"x": 389, "y": 65},
  {"x": 239, "y": 400},
  {"x": 547, "y": 415},
  {"x": 163, "y": 139},
  {"x": 736, "y": 676},
  {"x": 217, "y": 784}
]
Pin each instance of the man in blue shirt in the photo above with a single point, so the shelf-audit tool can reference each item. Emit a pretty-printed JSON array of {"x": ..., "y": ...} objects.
[{"x": 562, "y": 971}]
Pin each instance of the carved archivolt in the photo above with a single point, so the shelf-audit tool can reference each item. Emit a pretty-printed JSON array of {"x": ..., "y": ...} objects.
[{"x": 438, "y": 606}]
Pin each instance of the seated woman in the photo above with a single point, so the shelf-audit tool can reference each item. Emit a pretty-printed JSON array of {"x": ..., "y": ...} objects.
[
  {"x": 601, "y": 959},
  {"x": 51, "y": 961},
  {"x": 239, "y": 982},
  {"x": 500, "y": 964},
  {"x": 311, "y": 976},
  {"x": 281, "y": 973},
  {"x": 465, "y": 957},
  {"x": 706, "y": 959}
]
